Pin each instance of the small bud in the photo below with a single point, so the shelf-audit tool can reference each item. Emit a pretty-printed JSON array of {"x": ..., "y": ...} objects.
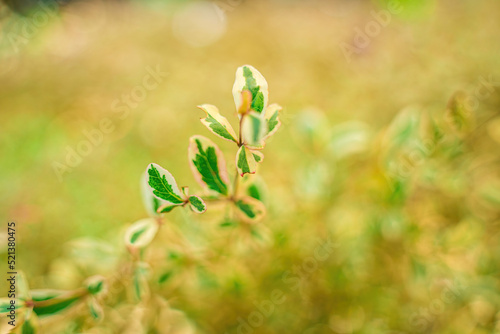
[{"x": 246, "y": 102}]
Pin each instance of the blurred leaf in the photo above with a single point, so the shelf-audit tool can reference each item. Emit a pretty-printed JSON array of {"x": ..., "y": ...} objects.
[
  {"x": 30, "y": 325},
  {"x": 311, "y": 129},
  {"x": 403, "y": 128},
  {"x": 254, "y": 187},
  {"x": 311, "y": 178},
  {"x": 95, "y": 309},
  {"x": 5, "y": 304},
  {"x": 228, "y": 223},
  {"x": 458, "y": 114},
  {"x": 165, "y": 276},
  {"x": 96, "y": 284},
  {"x": 253, "y": 130},
  {"x": 206, "y": 278},
  {"x": 349, "y": 138},
  {"x": 23, "y": 290},
  {"x": 250, "y": 209},
  {"x": 49, "y": 302},
  {"x": 139, "y": 282},
  {"x": 141, "y": 233}
]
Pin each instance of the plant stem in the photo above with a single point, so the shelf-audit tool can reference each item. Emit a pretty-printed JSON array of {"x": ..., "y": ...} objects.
[
  {"x": 236, "y": 184},
  {"x": 237, "y": 176},
  {"x": 240, "y": 141}
]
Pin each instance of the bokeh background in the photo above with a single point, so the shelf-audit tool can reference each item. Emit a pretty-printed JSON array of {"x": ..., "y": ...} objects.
[{"x": 389, "y": 149}]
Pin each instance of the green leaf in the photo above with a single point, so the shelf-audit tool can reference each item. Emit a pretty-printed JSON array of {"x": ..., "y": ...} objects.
[
  {"x": 140, "y": 282},
  {"x": 167, "y": 207},
  {"x": 349, "y": 138},
  {"x": 404, "y": 129},
  {"x": 197, "y": 204},
  {"x": 254, "y": 187},
  {"x": 250, "y": 209},
  {"x": 254, "y": 191},
  {"x": 208, "y": 164},
  {"x": 245, "y": 161},
  {"x": 228, "y": 223},
  {"x": 141, "y": 233},
  {"x": 5, "y": 305},
  {"x": 253, "y": 130},
  {"x": 165, "y": 277},
  {"x": 248, "y": 78},
  {"x": 23, "y": 290},
  {"x": 257, "y": 155},
  {"x": 30, "y": 325},
  {"x": 57, "y": 301},
  {"x": 95, "y": 309},
  {"x": 272, "y": 120},
  {"x": 217, "y": 123},
  {"x": 311, "y": 128},
  {"x": 163, "y": 184},
  {"x": 95, "y": 284},
  {"x": 150, "y": 201}
]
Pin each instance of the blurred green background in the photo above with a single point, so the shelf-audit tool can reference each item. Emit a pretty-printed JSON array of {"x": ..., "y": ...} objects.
[{"x": 371, "y": 154}]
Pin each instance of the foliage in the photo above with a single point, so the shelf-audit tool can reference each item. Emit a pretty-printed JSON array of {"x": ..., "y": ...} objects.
[{"x": 161, "y": 195}]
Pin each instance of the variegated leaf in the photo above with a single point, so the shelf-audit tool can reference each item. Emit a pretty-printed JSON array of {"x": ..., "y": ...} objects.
[
  {"x": 49, "y": 302},
  {"x": 258, "y": 155},
  {"x": 197, "y": 204},
  {"x": 163, "y": 184},
  {"x": 95, "y": 308},
  {"x": 150, "y": 201},
  {"x": 249, "y": 209},
  {"x": 272, "y": 120},
  {"x": 31, "y": 324},
  {"x": 217, "y": 123},
  {"x": 140, "y": 281},
  {"x": 167, "y": 207},
  {"x": 141, "y": 233},
  {"x": 404, "y": 128},
  {"x": 23, "y": 289},
  {"x": 253, "y": 130},
  {"x": 254, "y": 187},
  {"x": 208, "y": 164},
  {"x": 349, "y": 138},
  {"x": 8, "y": 304},
  {"x": 245, "y": 161},
  {"x": 96, "y": 284},
  {"x": 249, "y": 79}
]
